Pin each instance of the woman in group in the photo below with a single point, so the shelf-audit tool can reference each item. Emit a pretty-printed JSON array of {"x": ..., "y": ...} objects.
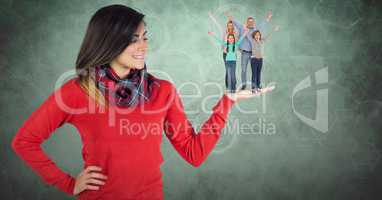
[
  {"x": 257, "y": 58},
  {"x": 231, "y": 47},
  {"x": 120, "y": 112}
]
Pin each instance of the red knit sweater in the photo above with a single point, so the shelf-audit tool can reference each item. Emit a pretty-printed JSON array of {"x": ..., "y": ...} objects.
[{"x": 124, "y": 142}]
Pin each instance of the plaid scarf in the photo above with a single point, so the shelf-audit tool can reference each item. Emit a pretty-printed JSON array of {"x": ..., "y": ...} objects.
[{"x": 126, "y": 92}]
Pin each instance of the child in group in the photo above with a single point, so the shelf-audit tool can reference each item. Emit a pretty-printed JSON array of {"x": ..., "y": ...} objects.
[
  {"x": 257, "y": 58},
  {"x": 231, "y": 46},
  {"x": 230, "y": 29}
]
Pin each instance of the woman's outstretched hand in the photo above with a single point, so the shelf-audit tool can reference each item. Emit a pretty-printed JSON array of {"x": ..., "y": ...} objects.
[
  {"x": 245, "y": 94},
  {"x": 89, "y": 179}
]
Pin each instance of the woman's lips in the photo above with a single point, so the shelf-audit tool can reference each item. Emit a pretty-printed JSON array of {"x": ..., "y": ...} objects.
[{"x": 139, "y": 57}]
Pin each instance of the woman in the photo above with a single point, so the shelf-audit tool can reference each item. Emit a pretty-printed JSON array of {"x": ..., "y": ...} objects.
[
  {"x": 120, "y": 112},
  {"x": 257, "y": 58},
  {"x": 231, "y": 46}
]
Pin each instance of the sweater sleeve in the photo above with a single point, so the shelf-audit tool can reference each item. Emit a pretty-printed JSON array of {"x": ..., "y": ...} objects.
[
  {"x": 195, "y": 147},
  {"x": 34, "y": 131}
]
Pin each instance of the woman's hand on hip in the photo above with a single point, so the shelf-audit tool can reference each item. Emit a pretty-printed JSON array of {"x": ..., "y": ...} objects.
[{"x": 89, "y": 179}]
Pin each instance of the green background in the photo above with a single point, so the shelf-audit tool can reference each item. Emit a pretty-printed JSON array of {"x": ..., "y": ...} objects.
[{"x": 40, "y": 40}]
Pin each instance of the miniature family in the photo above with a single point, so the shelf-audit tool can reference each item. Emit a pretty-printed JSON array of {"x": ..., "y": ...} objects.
[{"x": 248, "y": 40}]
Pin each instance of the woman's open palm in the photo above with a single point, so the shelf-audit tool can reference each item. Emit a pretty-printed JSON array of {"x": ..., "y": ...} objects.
[{"x": 246, "y": 94}]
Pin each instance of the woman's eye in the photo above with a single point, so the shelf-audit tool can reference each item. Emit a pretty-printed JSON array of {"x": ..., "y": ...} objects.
[{"x": 136, "y": 40}]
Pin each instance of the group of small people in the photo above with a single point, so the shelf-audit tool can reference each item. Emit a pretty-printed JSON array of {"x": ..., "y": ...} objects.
[{"x": 248, "y": 40}]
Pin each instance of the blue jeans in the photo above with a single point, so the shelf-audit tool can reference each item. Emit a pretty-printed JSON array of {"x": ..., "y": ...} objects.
[
  {"x": 230, "y": 75},
  {"x": 256, "y": 65},
  {"x": 245, "y": 58}
]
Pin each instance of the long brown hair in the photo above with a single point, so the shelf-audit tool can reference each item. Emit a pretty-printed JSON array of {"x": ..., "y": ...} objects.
[
  {"x": 234, "y": 41},
  {"x": 254, "y": 33},
  {"x": 109, "y": 32}
]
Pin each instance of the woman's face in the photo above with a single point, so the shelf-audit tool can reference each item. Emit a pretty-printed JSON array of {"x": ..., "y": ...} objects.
[
  {"x": 230, "y": 26},
  {"x": 133, "y": 57}
]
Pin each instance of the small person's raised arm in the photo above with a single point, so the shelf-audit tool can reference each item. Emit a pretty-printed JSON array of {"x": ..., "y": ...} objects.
[
  {"x": 218, "y": 40},
  {"x": 269, "y": 16},
  {"x": 237, "y": 24},
  {"x": 275, "y": 29},
  {"x": 245, "y": 34},
  {"x": 228, "y": 15},
  {"x": 262, "y": 25}
]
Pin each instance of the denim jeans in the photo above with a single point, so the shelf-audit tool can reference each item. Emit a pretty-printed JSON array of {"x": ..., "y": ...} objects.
[
  {"x": 230, "y": 67},
  {"x": 256, "y": 65},
  {"x": 245, "y": 58}
]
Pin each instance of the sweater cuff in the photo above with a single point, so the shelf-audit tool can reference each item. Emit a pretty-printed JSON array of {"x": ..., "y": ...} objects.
[
  {"x": 228, "y": 102},
  {"x": 68, "y": 185},
  {"x": 223, "y": 107}
]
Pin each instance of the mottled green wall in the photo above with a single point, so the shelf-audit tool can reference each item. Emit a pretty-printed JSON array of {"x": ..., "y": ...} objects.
[{"x": 288, "y": 159}]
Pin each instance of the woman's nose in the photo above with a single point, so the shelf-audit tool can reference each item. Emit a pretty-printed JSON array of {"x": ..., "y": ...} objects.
[{"x": 142, "y": 45}]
